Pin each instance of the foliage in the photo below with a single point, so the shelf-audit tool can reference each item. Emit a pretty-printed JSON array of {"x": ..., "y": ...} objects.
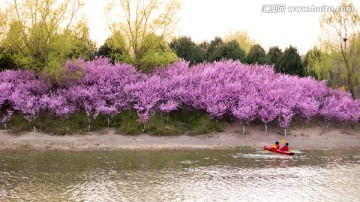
[
  {"x": 82, "y": 46},
  {"x": 228, "y": 50},
  {"x": 341, "y": 43},
  {"x": 18, "y": 124},
  {"x": 274, "y": 54},
  {"x": 313, "y": 58},
  {"x": 242, "y": 38},
  {"x": 186, "y": 49},
  {"x": 6, "y": 62},
  {"x": 145, "y": 25},
  {"x": 290, "y": 62},
  {"x": 157, "y": 54},
  {"x": 114, "y": 48},
  {"x": 127, "y": 123},
  {"x": 257, "y": 55},
  {"x": 172, "y": 100},
  {"x": 74, "y": 124},
  {"x": 175, "y": 123},
  {"x": 41, "y": 35},
  {"x": 211, "y": 47},
  {"x": 179, "y": 122}
]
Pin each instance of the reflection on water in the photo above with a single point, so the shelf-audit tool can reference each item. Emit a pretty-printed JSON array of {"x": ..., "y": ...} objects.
[{"x": 179, "y": 176}]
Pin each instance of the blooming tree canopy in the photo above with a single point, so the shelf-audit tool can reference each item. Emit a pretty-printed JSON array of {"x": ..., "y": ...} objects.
[{"x": 224, "y": 88}]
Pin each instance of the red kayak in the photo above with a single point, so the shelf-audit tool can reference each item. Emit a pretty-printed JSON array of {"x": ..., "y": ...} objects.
[{"x": 278, "y": 151}]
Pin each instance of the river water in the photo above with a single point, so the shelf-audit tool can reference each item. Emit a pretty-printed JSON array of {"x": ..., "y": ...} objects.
[{"x": 243, "y": 175}]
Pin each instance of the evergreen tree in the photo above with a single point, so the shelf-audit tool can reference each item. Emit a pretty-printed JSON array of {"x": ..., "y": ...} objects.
[
  {"x": 257, "y": 55},
  {"x": 229, "y": 50},
  {"x": 185, "y": 48},
  {"x": 290, "y": 62},
  {"x": 274, "y": 56}
]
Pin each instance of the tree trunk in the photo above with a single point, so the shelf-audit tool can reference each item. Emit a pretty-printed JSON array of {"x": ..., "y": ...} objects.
[
  {"x": 285, "y": 131},
  {"x": 89, "y": 127},
  {"x": 108, "y": 121},
  {"x": 265, "y": 127},
  {"x": 243, "y": 129},
  {"x": 349, "y": 71},
  {"x": 143, "y": 130},
  {"x": 5, "y": 126},
  {"x": 34, "y": 129}
]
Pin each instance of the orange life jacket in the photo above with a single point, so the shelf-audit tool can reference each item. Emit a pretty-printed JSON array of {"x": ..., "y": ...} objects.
[{"x": 276, "y": 146}]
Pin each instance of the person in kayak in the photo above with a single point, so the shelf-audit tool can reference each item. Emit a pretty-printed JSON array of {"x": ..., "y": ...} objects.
[
  {"x": 276, "y": 145},
  {"x": 285, "y": 147}
]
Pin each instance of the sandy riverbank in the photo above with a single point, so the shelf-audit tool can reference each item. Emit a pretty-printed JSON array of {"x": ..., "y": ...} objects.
[{"x": 314, "y": 137}]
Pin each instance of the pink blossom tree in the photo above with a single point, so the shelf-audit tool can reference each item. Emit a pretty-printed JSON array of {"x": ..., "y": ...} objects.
[
  {"x": 224, "y": 88},
  {"x": 145, "y": 95}
]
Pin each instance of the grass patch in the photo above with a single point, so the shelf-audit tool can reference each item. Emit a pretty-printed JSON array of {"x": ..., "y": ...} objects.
[
  {"x": 75, "y": 123},
  {"x": 183, "y": 122},
  {"x": 18, "y": 124},
  {"x": 198, "y": 122},
  {"x": 48, "y": 123},
  {"x": 162, "y": 124},
  {"x": 127, "y": 123}
]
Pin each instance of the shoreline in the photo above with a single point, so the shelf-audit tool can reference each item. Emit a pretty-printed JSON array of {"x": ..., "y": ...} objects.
[{"x": 311, "y": 138}]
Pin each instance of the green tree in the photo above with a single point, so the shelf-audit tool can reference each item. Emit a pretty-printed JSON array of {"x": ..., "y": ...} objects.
[
  {"x": 211, "y": 47},
  {"x": 204, "y": 45},
  {"x": 257, "y": 55},
  {"x": 312, "y": 58},
  {"x": 83, "y": 46},
  {"x": 40, "y": 35},
  {"x": 185, "y": 48},
  {"x": 340, "y": 33},
  {"x": 139, "y": 22},
  {"x": 114, "y": 48},
  {"x": 274, "y": 54},
  {"x": 228, "y": 50},
  {"x": 6, "y": 62},
  {"x": 290, "y": 62},
  {"x": 157, "y": 54},
  {"x": 243, "y": 39}
]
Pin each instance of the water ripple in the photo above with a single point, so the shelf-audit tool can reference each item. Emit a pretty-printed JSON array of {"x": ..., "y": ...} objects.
[{"x": 233, "y": 176}]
